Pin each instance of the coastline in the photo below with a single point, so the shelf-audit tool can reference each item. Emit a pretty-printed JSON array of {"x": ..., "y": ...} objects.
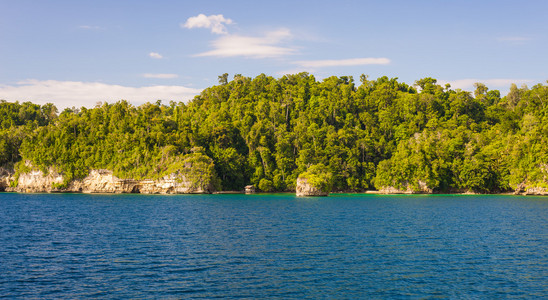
[
  {"x": 368, "y": 192},
  {"x": 101, "y": 181}
]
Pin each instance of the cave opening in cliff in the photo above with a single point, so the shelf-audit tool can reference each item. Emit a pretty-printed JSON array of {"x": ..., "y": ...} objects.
[{"x": 136, "y": 190}]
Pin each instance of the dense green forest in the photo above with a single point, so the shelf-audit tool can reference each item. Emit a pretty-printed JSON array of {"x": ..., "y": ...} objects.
[{"x": 266, "y": 131}]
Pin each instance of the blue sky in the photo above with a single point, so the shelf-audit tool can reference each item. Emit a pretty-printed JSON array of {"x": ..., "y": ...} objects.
[{"x": 76, "y": 53}]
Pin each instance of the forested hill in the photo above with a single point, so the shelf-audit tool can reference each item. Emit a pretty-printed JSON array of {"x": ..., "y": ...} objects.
[{"x": 266, "y": 131}]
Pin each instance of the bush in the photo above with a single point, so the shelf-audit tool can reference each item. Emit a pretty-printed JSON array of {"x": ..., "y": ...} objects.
[{"x": 266, "y": 185}]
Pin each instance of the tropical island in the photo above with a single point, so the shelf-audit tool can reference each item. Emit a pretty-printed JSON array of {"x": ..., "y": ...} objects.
[{"x": 335, "y": 134}]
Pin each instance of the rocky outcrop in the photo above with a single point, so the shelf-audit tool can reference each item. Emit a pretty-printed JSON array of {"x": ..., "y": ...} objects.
[
  {"x": 36, "y": 182},
  {"x": 421, "y": 188},
  {"x": 536, "y": 186},
  {"x": 103, "y": 181},
  {"x": 316, "y": 181},
  {"x": 305, "y": 189},
  {"x": 5, "y": 175},
  {"x": 190, "y": 174},
  {"x": 525, "y": 189}
]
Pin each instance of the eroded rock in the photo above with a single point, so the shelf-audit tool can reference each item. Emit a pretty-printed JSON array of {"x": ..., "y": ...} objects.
[
  {"x": 421, "y": 188},
  {"x": 103, "y": 181},
  {"x": 305, "y": 189}
]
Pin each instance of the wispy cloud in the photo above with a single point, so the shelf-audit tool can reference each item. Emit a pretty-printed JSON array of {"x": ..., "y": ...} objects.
[
  {"x": 292, "y": 71},
  {"x": 313, "y": 64},
  {"x": 492, "y": 83},
  {"x": 160, "y": 76},
  {"x": 214, "y": 22},
  {"x": 76, "y": 93},
  {"x": 266, "y": 46},
  {"x": 90, "y": 27},
  {"x": 514, "y": 39},
  {"x": 155, "y": 55}
]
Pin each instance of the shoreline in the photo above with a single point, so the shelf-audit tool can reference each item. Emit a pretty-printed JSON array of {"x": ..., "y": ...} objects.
[{"x": 369, "y": 192}]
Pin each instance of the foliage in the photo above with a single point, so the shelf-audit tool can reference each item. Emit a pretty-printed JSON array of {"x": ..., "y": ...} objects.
[
  {"x": 18, "y": 120},
  {"x": 266, "y": 185},
  {"x": 198, "y": 170},
  {"x": 266, "y": 132},
  {"x": 318, "y": 177}
]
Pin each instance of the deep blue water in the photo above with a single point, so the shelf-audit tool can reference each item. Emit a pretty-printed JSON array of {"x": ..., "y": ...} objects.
[{"x": 273, "y": 246}]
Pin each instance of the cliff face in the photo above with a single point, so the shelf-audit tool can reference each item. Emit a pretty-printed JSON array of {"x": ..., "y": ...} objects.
[
  {"x": 304, "y": 188},
  {"x": 422, "y": 189},
  {"x": 527, "y": 189},
  {"x": 536, "y": 187},
  {"x": 5, "y": 176},
  {"x": 103, "y": 181},
  {"x": 36, "y": 182}
]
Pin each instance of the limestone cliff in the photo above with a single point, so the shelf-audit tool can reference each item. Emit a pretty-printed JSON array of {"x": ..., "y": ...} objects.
[
  {"x": 103, "y": 181},
  {"x": 189, "y": 174},
  {"x": 5, "y": 175},
  {"x": 537, "y": 186},
  {"x": 35, "y": 181},
  {"x": 304, "y": 189},
  {"x": 316, "y": 181},
  {"x": 530, "y": 189},
  {"x": 421, "y": 188}
]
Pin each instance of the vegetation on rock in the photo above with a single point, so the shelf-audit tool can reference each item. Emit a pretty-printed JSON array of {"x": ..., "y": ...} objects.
[
  {"x": 266, "y": 132},
  {"x": 318, "y": 178}
]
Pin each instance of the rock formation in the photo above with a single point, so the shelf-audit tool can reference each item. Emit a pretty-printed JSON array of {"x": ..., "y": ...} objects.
[
  {"x": 421, "y": 188},
  {"x": 5, "y": 176},
  {"x": 525, "y": 189},
  {"x": 103, "y": 181},
  {"x": 316, "y": 181},
  {"x": 192, "y": 174},
  {"x": 535, "y": 187},
  {"x": 304, "y": 189}
]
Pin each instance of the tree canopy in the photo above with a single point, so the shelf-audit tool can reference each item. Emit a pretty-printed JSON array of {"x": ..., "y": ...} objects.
[{"x": 266, "y": 131}]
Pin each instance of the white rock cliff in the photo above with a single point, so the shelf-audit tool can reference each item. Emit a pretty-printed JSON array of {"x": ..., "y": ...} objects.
[{"x": 101, "y": 181}]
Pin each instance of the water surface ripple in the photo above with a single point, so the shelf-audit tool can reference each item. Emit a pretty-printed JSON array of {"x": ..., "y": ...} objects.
[{"x": 272, "y": 246}]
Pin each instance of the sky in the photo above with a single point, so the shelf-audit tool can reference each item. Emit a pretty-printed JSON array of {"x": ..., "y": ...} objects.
[{"x": 79, "y": 53}]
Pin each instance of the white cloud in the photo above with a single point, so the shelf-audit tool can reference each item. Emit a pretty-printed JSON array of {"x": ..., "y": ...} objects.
[
  {"x": 76, "y": 93},
  {"x": 253, "y": 47},
  {"x": 155, "y": 55},
  {"x": 160, "y": 76},
  {"x": 342, "y": 62},
  {"x": 213, "y": 22},
  {"x": 492, "y": 84}
]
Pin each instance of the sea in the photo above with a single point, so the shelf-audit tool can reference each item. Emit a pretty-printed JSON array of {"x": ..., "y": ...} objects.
[{"x": 273, "y": 246}]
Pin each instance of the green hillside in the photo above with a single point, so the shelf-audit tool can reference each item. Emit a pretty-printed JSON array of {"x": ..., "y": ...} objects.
[{"x": 266, "y": 131}]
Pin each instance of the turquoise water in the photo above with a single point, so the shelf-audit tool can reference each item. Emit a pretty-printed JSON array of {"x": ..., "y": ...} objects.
[{"x": 272, "y": 246}]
